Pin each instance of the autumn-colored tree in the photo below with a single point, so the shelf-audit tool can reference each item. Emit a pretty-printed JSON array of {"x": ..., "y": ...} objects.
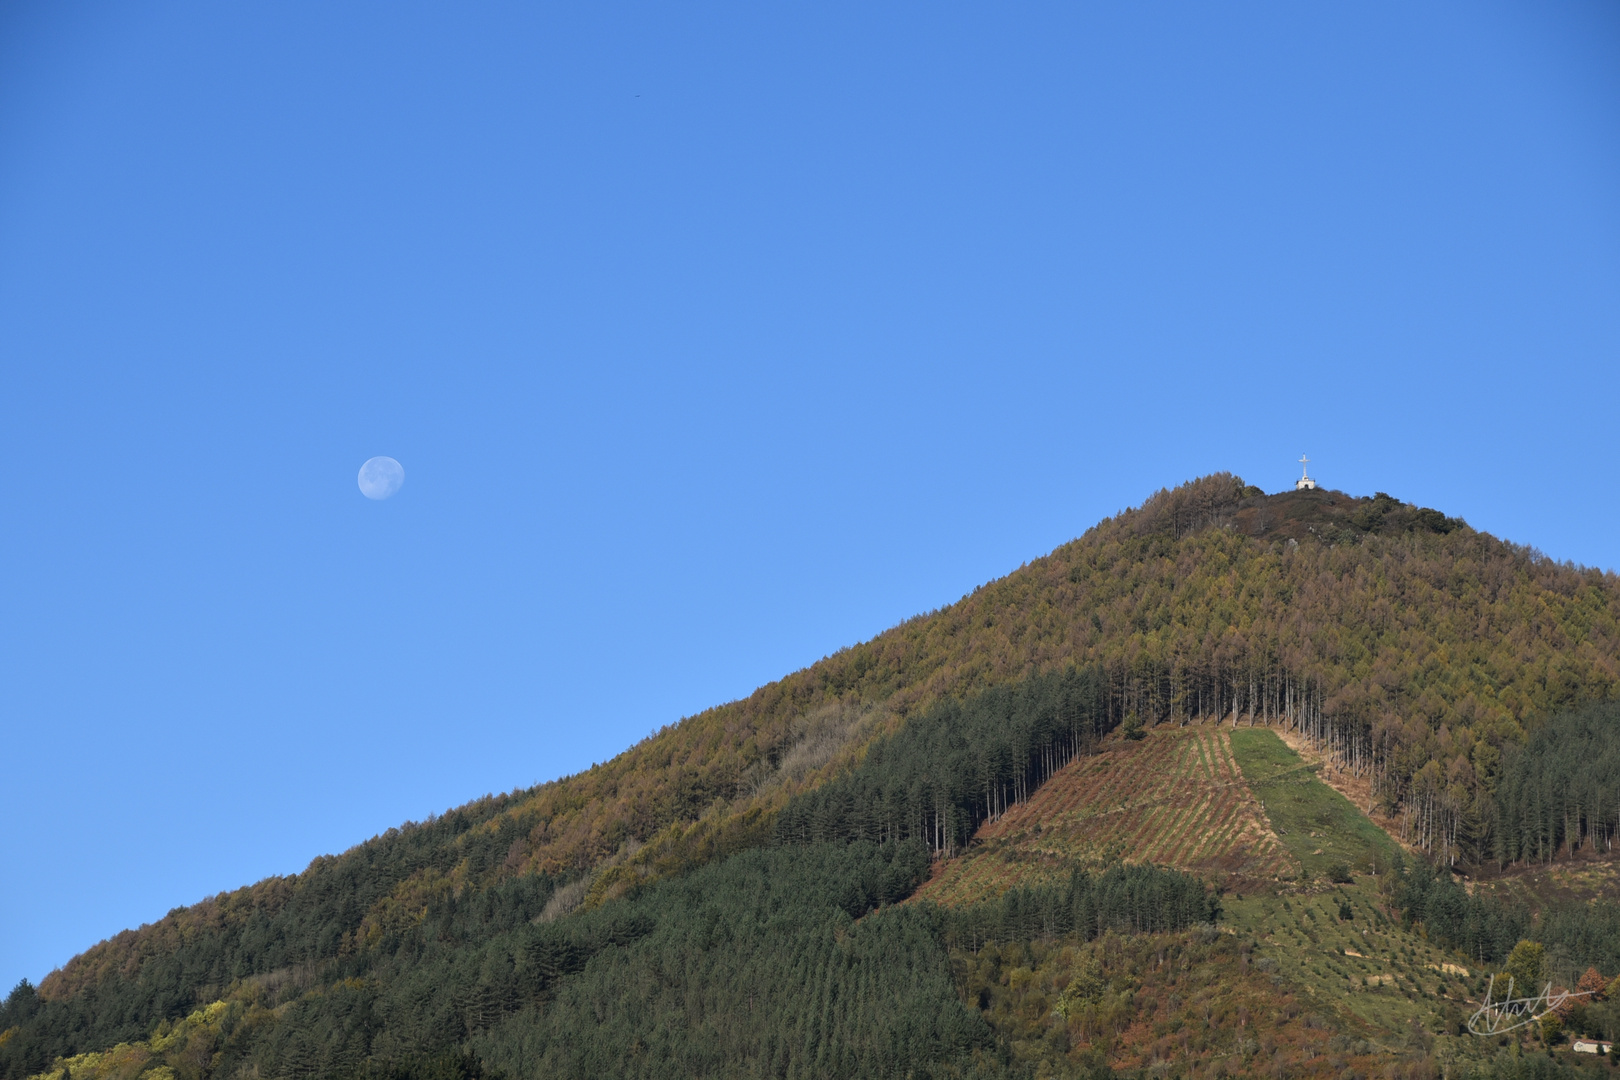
[
  {"x": 1590, "y": 989},
  {"x": 1524, "y": 967},
  {"x": 1592, "y": 984}
]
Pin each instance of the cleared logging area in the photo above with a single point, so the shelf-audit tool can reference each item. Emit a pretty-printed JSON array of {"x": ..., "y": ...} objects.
[
  {"x": 1317, "y": 824},
  {"x": 1176, "y": 798}
]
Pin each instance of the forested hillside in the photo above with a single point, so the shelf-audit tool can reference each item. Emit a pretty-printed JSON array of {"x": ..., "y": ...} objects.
[
  {"x": 1561, "y": 790},
  {"x": 1422, "y": 653}
]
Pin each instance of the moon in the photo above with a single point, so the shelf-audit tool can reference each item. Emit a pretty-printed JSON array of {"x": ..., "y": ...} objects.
[{"x": 380, "y": 477}]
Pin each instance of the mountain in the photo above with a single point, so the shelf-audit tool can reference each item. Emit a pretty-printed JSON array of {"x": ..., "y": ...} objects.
[{"x": 1233, "y": 778}]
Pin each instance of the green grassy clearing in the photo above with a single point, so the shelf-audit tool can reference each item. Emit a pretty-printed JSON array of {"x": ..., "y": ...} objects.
[
  {"x": 1398, "y": 976},
  {"x": 1319, "y": 826}
]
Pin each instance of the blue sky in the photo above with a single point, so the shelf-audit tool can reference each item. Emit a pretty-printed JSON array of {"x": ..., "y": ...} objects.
[{"x": 711, "y": 338}]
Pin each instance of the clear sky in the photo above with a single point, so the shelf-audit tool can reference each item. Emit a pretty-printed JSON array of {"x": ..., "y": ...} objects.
[{"x": 711, "y": 339}]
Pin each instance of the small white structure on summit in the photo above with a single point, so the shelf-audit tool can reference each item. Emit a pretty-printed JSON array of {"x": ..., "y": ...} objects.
[{"x": 1304, "y": 483}]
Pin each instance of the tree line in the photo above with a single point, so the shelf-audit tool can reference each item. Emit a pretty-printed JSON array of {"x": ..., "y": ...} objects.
[
  {"x": 958, "y": 765},
  {"x": 1125, "y": 898},
  {"x": 1560, "y": 791}
]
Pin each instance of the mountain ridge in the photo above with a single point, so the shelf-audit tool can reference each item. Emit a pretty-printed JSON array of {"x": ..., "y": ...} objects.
[
  {"x": 1416, "y": 653},
  {"x": 551, "y": 829}
]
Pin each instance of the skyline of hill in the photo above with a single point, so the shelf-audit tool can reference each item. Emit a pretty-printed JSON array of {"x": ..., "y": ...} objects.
[
  {"x": 1414, "y": 652},
  {"x": 707, "y": 784}
]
